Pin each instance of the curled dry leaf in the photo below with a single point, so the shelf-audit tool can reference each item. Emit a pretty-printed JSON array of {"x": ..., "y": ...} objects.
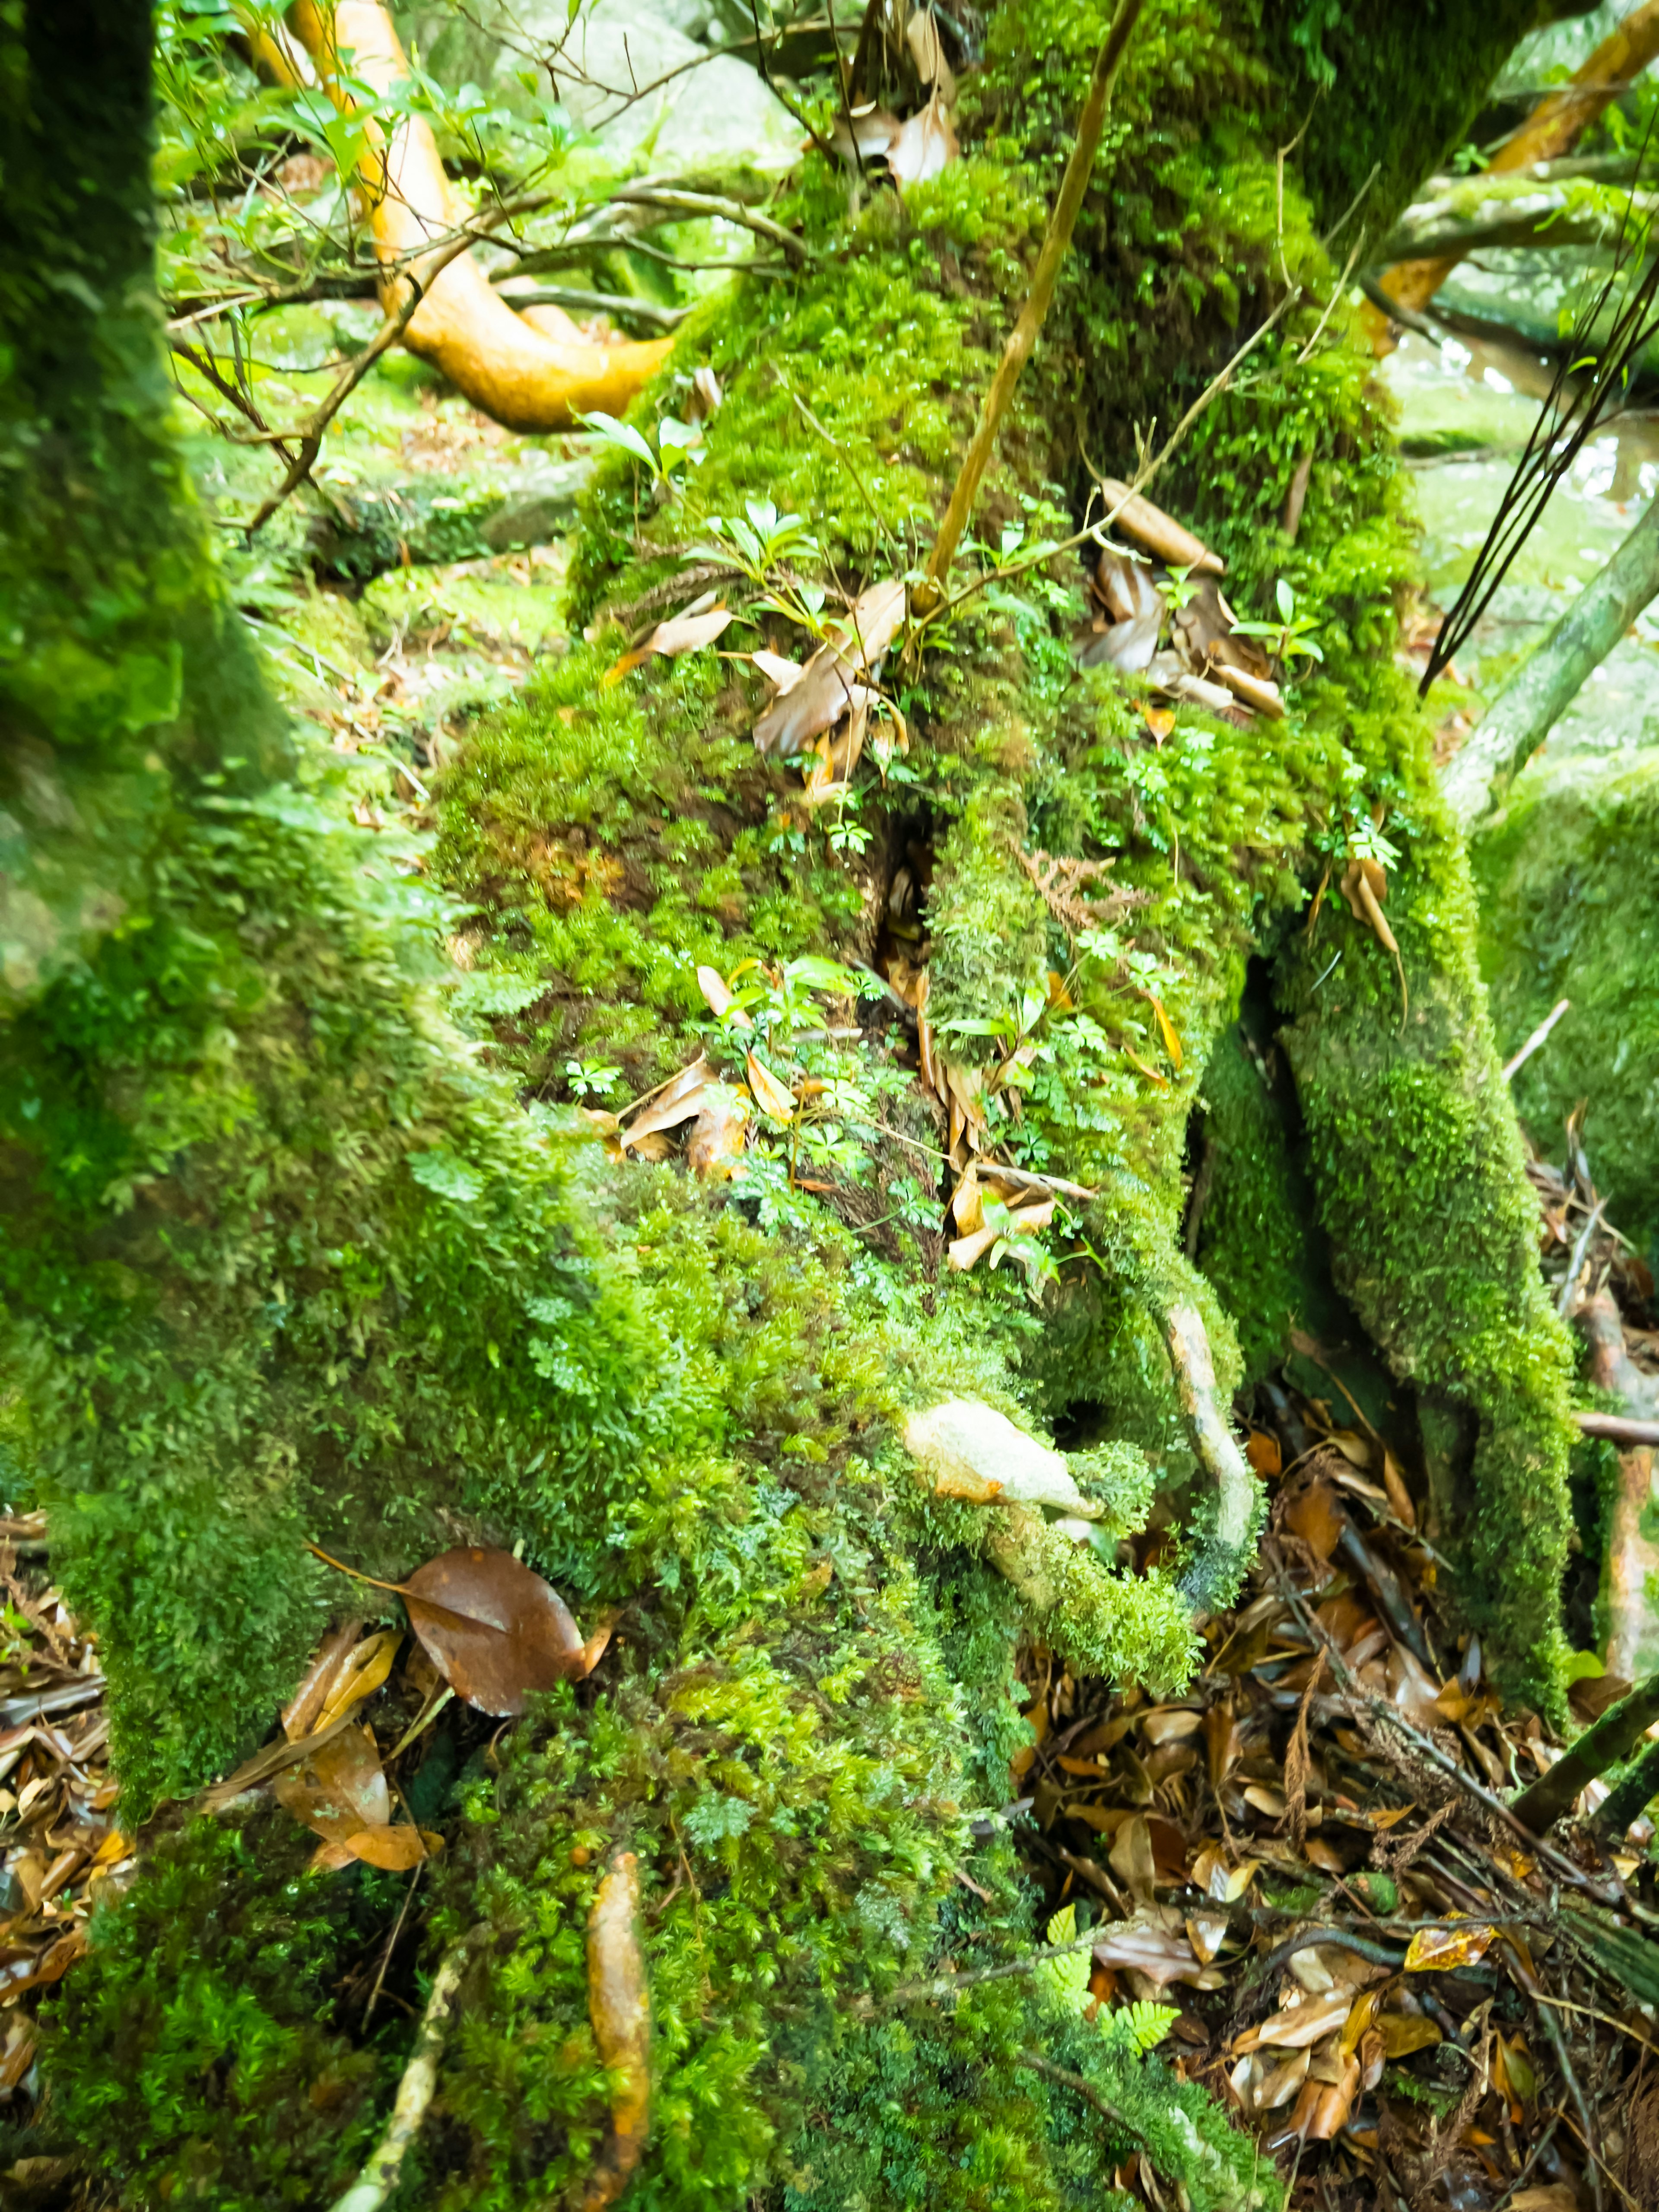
[
  {"x": 1154, "y": 1942},
  {"x": 772, "y": 1097},
  {"x": 361, "y": 1672},
  {"x": 687, "y": 633},
  {"x": 927, "y": 52},
  {"x": 1298, "y": 2025},
  {"x": 829, "y": 686},
  {"x": 718, "y": 995},
  {"x": 300, "y": 1714},
  {"x": 1258, "y": 693},
  {"x": 679, "y": 1100},
  {"x": 1158, "y": 532},
  {"x": 786, "y": 674},
  {"x": 925, "y": 145},
  {"x": 495, "y": 1631},
  {"x": 619, "y": 2008},
  {"x": 718, "y": 1135}
]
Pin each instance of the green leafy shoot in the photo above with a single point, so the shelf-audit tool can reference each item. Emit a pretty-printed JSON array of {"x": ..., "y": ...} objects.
[{"x": 1290, "y": 638}]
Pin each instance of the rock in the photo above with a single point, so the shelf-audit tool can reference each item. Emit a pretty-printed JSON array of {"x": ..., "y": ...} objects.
[
  {"x": 969, "y": 1451},
  {"x": 706, "y": 110}
]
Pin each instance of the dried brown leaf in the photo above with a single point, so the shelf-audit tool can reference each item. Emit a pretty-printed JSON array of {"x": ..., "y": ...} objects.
[
  {"x": 679, "y": 1100},
  {"x": 496, "y": 1632},
  {"x": 687, "y": 633},
  {"x": 1158, "y": 532}
]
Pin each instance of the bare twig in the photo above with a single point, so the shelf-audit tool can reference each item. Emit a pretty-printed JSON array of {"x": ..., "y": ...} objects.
[
  {"x": 1512, "y": 1066},
  {"x": 384, "y": 2166}
]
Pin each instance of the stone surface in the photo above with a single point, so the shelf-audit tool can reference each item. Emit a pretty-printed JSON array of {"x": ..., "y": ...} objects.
[{"x": 643, "y": 76}]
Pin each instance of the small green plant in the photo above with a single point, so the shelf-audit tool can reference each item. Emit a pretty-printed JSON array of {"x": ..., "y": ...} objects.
[
  {"x": 591, "y": 1078},
  {"x": 678, "y": 444},
  {"x": 1290, "y": 638},
  {"x": 759, "y": 544},
  {"x": 1133, "y": 2029}
]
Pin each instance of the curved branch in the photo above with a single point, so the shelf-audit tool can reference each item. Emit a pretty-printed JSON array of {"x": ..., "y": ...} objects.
[
  {"x": 1215, "y": 1573},
  {"x": 523, "y": 377}
]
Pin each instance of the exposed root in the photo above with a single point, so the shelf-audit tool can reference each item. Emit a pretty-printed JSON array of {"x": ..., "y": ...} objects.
[
  {"x": 1215, "y": 1573},
  {"x": 381, "y": 2172},
  {"x": 619, "y": 2005},
  {"x": 522, "y": 375}
]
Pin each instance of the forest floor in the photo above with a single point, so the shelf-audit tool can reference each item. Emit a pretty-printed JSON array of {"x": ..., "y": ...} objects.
[{"x": 1303, "y": 1856}]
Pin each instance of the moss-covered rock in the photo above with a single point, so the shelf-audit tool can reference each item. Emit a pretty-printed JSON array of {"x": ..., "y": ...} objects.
[{"x": 1567, "y": 911}]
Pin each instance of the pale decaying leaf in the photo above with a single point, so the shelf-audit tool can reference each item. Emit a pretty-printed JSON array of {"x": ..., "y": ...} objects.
[
  {"x": 1154, "y": 1942},
  {"x": 927, "y": 51},
  {"x": 772, "y": 1097},
  {"x": 686, "y": 633},
  {"x": 830, "y": 686},
  {"x": 718, "y": 994},
  {"x": 679, "y": 1100},
  {"x": 872, "y": 132},
  {"x": 925, "y": 145},
  {"x": 1158, "y": 532}
]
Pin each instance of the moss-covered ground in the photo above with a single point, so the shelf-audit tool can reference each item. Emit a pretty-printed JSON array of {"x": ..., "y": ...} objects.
[{"x": 287, "y": 1255}]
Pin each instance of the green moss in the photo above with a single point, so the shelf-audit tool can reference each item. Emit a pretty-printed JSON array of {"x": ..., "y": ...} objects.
[
  {"x": 1567, "y": 911},
  {"x": 175, "y": 2061}
]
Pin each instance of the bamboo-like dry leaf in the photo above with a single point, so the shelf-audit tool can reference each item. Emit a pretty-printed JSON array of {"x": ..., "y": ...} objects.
[
  {"x": 1158, "y": 532},
  {"x": 680, "y": 1100},
  {"x": 687, "y": 633}
]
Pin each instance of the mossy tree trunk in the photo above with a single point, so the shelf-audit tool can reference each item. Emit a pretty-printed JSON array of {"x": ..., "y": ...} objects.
[{"x": 283, "y": 1257}]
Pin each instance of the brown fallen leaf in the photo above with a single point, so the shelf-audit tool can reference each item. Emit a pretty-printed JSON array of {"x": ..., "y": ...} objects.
[
  {"x": 1153, "y": 1942},
  {"x": 682, "y": 633},
  {"x": 1399, "y": 1498},
  {"x": 718, "y": 995},
  {"x": 361, "y": 1673},
  {"x": 786, "y": 674},
  {"x": 829, "y": 686},
  {"x": 1298, "y": 2025},
  {"x": 718, "y": 1135},
  {"x": 680, "y": 1099},
  {"x": 495, "y": 1631},
  {"x": 1314, "y": 1515},
  {"x": 1158, "y": 532},
  {"x": 300, "y": 1714},
  {"x": 1261, "y": 1448},
  {"x": 687, "y": 633},
  {"x": 1259, "y": 693},
  {"x": 925, "y": 146},
  {"x": 273, "y": 1760},
  {"x": 340, "y": 1793}
]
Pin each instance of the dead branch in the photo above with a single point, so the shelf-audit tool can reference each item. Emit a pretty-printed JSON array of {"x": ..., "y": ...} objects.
[
  {"x": 384, "y": 2166},
  {"x": 619, "y": 2007}
]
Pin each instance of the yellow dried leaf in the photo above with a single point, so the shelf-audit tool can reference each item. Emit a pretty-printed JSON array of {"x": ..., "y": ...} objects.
[
  {"x": 771, "y": 1095},
  {"x": 362, "y": 1674},
  {"x": 1159, "y": 721},
  {"x": 1402, "y": 2032},
  {"x": 1437, "y": 1950},
  {"x": 1166, "y": 1031},
  {"x": 1135, "y": 1061}
]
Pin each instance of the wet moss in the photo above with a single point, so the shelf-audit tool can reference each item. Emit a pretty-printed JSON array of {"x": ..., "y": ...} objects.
[{"x": 1567, "y": 910}]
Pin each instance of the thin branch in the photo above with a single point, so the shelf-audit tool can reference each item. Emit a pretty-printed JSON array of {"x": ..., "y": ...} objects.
[
  {"x": 710, "y": 204},
  {"x": 1039, "y": 2064},
  {"x": 1095, "y": 532},
  {"x": 1022, "y": 339},
  {"x": 383, "y": 2168}
]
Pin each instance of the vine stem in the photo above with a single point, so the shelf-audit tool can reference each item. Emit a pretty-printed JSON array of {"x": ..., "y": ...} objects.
[{"x": 1022, "y": 339}]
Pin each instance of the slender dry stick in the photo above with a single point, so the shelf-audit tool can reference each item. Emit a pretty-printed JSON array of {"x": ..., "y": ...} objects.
[
  {"x": 1095, "y": 532},
  {"x": 1022, "y": 337}
]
